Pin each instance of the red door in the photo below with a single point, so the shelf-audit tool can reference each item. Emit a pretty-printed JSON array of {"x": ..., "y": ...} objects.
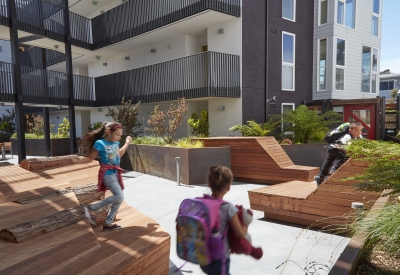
[{"x": 363, "y": 113}]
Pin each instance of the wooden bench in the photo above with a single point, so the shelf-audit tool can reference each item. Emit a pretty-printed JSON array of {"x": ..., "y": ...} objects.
[
  {"x": 306, "y": 204},
  {"x": 34, "y": 198},
  {"x": 261, "y": 160}
]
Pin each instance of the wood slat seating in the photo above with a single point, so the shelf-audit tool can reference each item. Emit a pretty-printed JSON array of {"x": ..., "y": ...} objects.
[
  {"x": 140, "y": 247},
  {"x": 306, "y": 204},
  {"x": 7, "y": 147},
  {"x": 261, "y": 160}
]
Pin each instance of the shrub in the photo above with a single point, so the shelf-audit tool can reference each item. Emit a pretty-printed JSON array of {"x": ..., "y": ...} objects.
[
  {"x": 7, "y": 124},
  {"x": 63, "y": 128},
  {"x": 253, "y": 129},
  {"x": 127, "y": 115},
  {"x": 306, "y": 124},
  {"x": 94, "y": 126},
  {"x": 181, "y": 143},
  {"x": 174, "y": 115},
  {"x": 36, "y": 126},
  {"x": 200, "y": 126}
]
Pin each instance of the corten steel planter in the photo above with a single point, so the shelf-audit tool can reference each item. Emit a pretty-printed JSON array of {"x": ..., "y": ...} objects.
[
  {"x": 310, "y": 154},
  {"x": 160, "y": 161},
  {"x": 37, "y": 147}
]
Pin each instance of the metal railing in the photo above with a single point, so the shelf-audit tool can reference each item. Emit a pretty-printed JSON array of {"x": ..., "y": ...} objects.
[
  {"x": 6, "y": 82},
  {"x": 136, "y": 17},
  {"x": 4, "y": 16},
  {"x": 80, "y": 31},
  {"x": 33, "y": 57},
  {"x": 201, "y": 75}
]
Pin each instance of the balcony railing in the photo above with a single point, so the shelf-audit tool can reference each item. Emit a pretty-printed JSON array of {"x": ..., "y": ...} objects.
[
  {"x": 206, "y": 74},
  {"x": 33, "y": 57},
  {"x": 134, "y": 17}
]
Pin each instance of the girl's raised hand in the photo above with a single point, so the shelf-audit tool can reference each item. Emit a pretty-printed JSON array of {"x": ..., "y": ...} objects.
[{"x": 128, "y": 139}]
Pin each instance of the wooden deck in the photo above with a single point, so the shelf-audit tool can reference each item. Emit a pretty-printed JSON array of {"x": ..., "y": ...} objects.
[
  {"x": 306, "y": 204},
  {"x": 140, "y": 247},
  {"x": 261, "y": 160}
]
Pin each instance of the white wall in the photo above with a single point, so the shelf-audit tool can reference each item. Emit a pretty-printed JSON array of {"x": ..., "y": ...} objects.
[
  {"x": 80, "y": 71},
  {"x": 167, "y": 50},
  {"x": 221, "y": 121},
  {"x": 5, "y": 54},
  {"x": 228, "y": 42}
]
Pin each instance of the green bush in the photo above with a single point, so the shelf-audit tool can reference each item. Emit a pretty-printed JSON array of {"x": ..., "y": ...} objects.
[
  {"x": 253, "y": 129},
  {"x": 185, "y": 142},
  {"x": 200, "y": 126},
  {"x": 34, "y": 136},
  {"x": 63, "y": 128},
  {"x": 94, "y": 126}
]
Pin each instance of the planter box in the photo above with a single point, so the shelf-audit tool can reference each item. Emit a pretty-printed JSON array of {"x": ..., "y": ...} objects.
[
  {"x": 4, "y": 139},
  {"x": 160, "y": 161},
  {"x": 37, "y": 147},
  {"x": 312, "y": 154}
]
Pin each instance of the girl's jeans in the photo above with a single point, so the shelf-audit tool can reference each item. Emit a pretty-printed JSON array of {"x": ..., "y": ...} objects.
[
  {"x": 111, "y": 182},
  {"x": 215, "y": 267}
]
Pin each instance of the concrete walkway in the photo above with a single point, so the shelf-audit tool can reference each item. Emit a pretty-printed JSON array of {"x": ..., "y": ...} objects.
[{"x": 288, "y": 249}]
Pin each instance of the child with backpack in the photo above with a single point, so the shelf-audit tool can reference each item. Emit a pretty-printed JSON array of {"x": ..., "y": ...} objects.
[
  {"x": 339, "y": 138},
  {"x": 104, "y": 143},
  {"x": 202, "y": 225}
]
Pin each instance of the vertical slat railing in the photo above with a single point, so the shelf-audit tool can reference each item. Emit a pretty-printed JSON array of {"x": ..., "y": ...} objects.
[
  {"x": 29, "y": 16},
  {"x": 83, "y": 88},
  {"x": 6, "y": 77},
  {"x": 4, "y": 16},
  {"x": 80, "y": 30}
]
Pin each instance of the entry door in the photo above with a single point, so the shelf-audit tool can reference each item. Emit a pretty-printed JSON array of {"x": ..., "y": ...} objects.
[{"x": 363, "y": 113}]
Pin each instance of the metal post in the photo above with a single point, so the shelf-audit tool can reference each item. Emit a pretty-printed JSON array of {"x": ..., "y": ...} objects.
[
  {"x": 178, "y": 170},
  {"x": 359, "y": 207},
  {"x": 3, "y": 152}
]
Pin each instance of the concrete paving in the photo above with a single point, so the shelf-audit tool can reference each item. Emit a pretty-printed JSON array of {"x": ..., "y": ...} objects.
[{"x": 288, "y": 249}]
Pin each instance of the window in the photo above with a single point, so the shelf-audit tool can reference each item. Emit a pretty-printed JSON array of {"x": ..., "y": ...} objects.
[
  {"x": 369, "y": 69},
  {"x": 346, "y": 13},
  {"x": 322, "y": 65},
  {"x": 386, "y": 85},
  {"x": 286, "y": 107},
  {"x": 289, "y": 9},
  {"x": 340, "y": 63},
  {"x": 323, "y": 12},
  {"x": 288, "y": 61},
  {"x": 375, "y": 18}
]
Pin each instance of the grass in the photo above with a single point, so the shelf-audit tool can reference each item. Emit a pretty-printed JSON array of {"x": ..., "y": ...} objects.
[{"x": 33, "y": 136}]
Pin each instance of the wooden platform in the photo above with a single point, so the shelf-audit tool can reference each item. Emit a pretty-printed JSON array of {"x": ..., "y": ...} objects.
[
  {"x": 306, "y": 204},
  {"x": 261, "y": 160},
  {"x": 140, "y": 247}
]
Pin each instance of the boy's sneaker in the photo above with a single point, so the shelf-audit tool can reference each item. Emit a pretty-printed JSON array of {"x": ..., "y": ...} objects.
[
  {"x": 89, "y": 216},
  {"x": 319, "y": 179},
  {"x": 111, "y": 227}
]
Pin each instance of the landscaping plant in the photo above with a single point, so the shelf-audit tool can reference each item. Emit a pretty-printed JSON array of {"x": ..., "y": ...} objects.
[
  {"x": 200, "y": 126},
  {"x": 159, "y": 127},
  {"x": 36, "y": 126},
  {"x": 63, "y": 128},
  {"x": 94, "y": 126},
  {"x": 253, "y": 129},
  {"x": 127, "y": 115},
  {"x": 307, "y": 125},
  {"x": 7, "y": 124}
]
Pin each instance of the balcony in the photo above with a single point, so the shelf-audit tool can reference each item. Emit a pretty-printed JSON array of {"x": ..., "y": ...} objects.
[
  {"x": 132, "y": 18},
  {"x": 207, "y": 74}
]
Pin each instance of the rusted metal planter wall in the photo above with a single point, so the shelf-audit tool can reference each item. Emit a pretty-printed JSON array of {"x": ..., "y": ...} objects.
[
  {"x": 313, "y": 154},
  {"x": 37, "y": 147},
  {"x": 160, "y": 161}
]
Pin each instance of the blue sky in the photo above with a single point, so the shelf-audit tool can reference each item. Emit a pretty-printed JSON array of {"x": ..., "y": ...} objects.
[{"x": 390, "y": 48}]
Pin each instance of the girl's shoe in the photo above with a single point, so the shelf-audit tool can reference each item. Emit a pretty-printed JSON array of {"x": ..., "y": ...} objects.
[
  {"x": 111, "y": 227},
  {"x": 89, "y": 216}
]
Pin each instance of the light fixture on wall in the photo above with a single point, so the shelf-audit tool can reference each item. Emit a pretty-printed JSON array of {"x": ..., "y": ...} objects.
[
  {"x": 55, "y": 46},
  {"x": 94, "y": 3},
  {"x": 127, "y": 58},
  {"x": 170, "y": 46},
  {"x": 222, "y": 108},
  {"x": 153, "y": 50},
  {"x": 105, "y": 64},
  {"x": 220, "y": 31},
  {"x": 98, "y": 57},
  {"x": 272, "y": 98}
]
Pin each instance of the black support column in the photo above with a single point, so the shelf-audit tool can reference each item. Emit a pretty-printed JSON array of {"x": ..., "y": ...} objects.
[
  {"x": 46, "y": 116},
  {"x": 70, "y": 89},
  {"x": 17, "y": 82}
]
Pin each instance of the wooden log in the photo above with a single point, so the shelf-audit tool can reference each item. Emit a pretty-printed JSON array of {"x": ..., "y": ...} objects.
[
  {"x": 42, "y": 225},
  {"x": 85, "y": 194},
  {"x": 43, "y": 163}
]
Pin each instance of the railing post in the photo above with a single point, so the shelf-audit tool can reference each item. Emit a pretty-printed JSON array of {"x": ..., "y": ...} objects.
[
  {"x": 383, "y": 118},
  {"x": 178, "y": 170}
]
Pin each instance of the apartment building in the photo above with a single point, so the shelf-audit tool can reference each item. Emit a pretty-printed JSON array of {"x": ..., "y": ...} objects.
[{"x": 239, "y": 59}]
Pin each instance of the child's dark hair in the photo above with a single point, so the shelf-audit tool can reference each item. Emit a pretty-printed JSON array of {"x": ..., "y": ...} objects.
[
  {"x": 219, "y": 177},
  {"x": 354, "y": 124},
  {"x": 90, "y": 138}
]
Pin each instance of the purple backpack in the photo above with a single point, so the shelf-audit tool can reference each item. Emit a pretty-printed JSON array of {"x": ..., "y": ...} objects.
[{"x": 199, "y": 240}]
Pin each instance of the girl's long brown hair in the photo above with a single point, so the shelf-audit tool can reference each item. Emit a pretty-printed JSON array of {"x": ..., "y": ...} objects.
[{"x": 90, "y": 138}]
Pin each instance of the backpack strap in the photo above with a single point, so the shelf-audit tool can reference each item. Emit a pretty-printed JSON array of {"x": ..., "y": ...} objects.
[{"x": 213, "y": 205}]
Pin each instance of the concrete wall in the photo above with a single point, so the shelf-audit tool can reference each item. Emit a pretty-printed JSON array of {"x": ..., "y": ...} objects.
[
  {"x": 355, "y": 39},
  {"x": 5, "y": 54},
  {"x": 222, "y": 120}
]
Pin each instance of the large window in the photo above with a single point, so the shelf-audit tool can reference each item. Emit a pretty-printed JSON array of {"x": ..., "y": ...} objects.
[
  {"x": 289, "y": 9},
  {"x": 346, "y": 13},
  {"x": 386, "y": 85},
  {"x": 323, "y": 12},
  {"x": 288, "y": 60},
  {"x": 322, "y": 65},
  {"x": 340, "y": 63},
  {"x": 375, "y": 18},
  {"x": 369, "y": 69}
]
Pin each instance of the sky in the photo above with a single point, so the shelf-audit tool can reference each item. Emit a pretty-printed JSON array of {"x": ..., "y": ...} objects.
[{"x": 390, "y": 48}]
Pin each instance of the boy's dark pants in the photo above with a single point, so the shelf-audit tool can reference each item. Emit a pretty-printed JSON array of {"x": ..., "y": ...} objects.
[{"x": 333, "y": 153}]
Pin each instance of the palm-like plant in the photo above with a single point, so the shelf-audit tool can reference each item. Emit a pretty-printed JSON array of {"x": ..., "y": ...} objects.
[
  {"x": 307, "y": 125},
  {"x": 253, "y": 129}
]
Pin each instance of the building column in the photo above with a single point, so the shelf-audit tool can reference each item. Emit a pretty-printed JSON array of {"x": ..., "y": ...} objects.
[
  {"x": 17, "y": 82},
  {"x": 70, "y": 88},
  {"x": 46, "y": 115}
]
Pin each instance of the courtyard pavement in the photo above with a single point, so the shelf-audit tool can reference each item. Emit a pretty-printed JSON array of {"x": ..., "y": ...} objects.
[{"x": 288, "y": 249}]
